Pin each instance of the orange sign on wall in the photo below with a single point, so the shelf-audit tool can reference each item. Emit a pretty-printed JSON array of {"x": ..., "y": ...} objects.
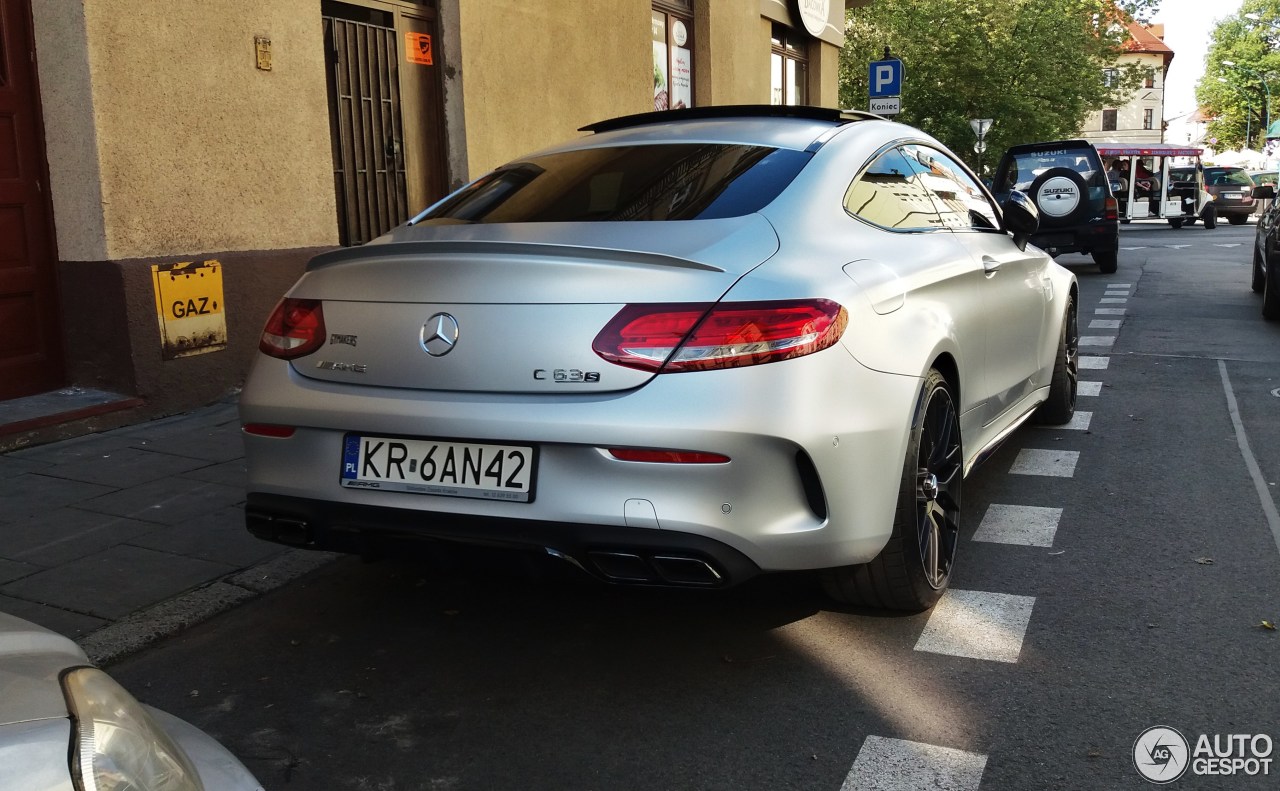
[{"x": 417, "y": 48}]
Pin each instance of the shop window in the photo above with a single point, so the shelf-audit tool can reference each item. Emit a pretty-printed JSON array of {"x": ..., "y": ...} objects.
[
  {"x": 789, "y": 67},
  {"x": 1108, "y": 120},
  {"x": 1148, "y": 118},
  {"x": 672, "y": 24}
]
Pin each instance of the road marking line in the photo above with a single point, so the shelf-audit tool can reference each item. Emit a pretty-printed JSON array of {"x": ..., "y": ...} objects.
[
  {"x": 1124, "y": 285},
  {"x": 1133, "y": 248},
  {"x": 1216, "y": 244},
  {"x": 1259, "y": 482},
  {"x": 1089, "y": 388},
  {"x": 1176, "y": 246},
  {"x": 1113, "y": 300},
  {"x": 1097, "y": 340},
  {"x": 1025, "y": 525},
  {"x": 1116, "y": 292},
  {"x": 1110, "y": 311},
  {"x": 1094, "y": 363},
  {"x": 897, "y": 765},
  {"x": 1104, "y": 324},
  {"x": 1051, "y": 463},
  {"x": 977, "y": 625}
]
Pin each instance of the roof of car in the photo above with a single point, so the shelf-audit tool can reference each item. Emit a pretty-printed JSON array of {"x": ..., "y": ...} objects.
[{"x": 731, "y": 111}]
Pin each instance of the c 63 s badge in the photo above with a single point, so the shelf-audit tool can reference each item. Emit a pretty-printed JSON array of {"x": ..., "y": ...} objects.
[{"x": 566, "y": 375}]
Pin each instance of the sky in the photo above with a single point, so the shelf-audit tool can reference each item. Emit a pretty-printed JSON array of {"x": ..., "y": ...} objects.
[{"x": 1187, "y": 25}]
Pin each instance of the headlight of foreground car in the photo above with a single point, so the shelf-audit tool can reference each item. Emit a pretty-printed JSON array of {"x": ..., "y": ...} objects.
[{"x": 116, "y": 746}]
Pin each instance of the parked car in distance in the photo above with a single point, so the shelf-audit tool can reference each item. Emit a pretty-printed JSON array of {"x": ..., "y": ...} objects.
[
  {"x": 689, "y": 348},
  {"x": 1231, "y": 188},
  {"x": 67, "y": 726},
  {"x": 1265, "y": 278},
  {"x": 1066, "y": 180}
]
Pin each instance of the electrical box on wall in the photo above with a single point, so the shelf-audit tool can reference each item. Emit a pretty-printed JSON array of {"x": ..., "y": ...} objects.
[{"x": 262, "y": 46}]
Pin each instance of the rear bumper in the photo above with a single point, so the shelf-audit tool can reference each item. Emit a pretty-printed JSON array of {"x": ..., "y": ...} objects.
[
  {"x": 1104, "y": 236},
  {"x": 613, "y": 554},
  {"x": 816, "y": 447}
]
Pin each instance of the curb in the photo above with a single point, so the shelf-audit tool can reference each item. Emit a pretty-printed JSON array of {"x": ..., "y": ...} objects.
[{"x": 139, "y": 629}]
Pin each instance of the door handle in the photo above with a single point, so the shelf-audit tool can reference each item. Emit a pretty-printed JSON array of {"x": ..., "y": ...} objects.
[{"x": 990, "y": 265}]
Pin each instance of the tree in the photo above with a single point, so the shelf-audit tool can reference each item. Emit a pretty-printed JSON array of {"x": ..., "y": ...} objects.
[
  {"x": 1242, "y": 65},
  {"x": 1034, "y": 66}
]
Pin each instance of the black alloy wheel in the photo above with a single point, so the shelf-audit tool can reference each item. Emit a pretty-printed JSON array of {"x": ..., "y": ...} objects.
[
  {"x": 1271, "y": 291},
  {"x": 1060, "y": 405},
  {"x": 939, "y": 467},
  {"x": 1258, "y": 277}
]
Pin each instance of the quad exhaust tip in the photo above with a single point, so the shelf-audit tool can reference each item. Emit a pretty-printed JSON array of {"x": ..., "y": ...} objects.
[{"x": 665, "y": 569}]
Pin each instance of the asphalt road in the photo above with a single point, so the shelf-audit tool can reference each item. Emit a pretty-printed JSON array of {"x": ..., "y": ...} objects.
[{"x": 1139, "y": 604}]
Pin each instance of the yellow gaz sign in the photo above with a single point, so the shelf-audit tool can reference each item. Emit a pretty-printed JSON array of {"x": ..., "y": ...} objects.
[{"x": 189, "y": 307}]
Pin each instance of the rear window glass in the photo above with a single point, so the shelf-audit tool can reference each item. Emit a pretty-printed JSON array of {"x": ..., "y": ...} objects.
[
  {"x": 685, "y": 181},
  {"x": 1222, "y": 177},
  {"x": 1021, "y": 168}
]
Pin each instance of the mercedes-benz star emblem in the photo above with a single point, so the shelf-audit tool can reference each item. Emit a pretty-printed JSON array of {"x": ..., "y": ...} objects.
[{"x": 439, "y": 334}]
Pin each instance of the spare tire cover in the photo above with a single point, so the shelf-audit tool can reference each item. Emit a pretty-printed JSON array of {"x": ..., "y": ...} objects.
[{"x": 1058, "y": 193}]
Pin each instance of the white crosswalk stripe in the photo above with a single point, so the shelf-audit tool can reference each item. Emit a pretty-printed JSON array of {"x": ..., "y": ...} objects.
[
  {"x": 897, "y": 765},
  {"x": 1051, "y": 463},
  {"x": 1113, "y": 300},
  {"x": 977, "y": 625},
  {"x": 1104, "y": 324},
  {"x": 1025, "y": 525},
  {"x": 1110, "y": 311},
  {"x": 1097, "y": 340},
  {"x": 1094, "y": 363},
  {"x": 1089, "y": 388}
]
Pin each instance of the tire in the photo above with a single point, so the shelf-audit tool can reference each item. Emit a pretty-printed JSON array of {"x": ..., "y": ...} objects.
[
  {"x": 1175, "y": 224},
  {"x": 1060, "y": 406},
  {"x": 1258, "y": 275},
  {"x": 1107, "y": 261},
  {"x": 1210, "y": 217},
  {"x": 1271, "y": 292},
  {"x": 914, "y": 568},
  {"x": 1050, "y": 215},
  {"x": 1238, "y": 219},
  {"x": 1190, "y": 221}
]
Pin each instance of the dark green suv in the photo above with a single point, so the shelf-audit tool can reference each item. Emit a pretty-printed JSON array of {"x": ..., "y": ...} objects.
[{"x": 1065, "y": 179}]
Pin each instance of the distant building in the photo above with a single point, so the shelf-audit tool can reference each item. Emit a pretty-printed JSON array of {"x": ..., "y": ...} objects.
[{"x": 1141, "y": 119}]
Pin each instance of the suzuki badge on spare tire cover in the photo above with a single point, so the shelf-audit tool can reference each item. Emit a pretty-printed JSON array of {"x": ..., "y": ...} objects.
[{"x": 1057, "y": 193}]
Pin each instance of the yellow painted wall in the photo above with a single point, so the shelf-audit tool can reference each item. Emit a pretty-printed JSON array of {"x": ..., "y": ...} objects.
[
  {"x": 534, "y": 72},
  {"x": 197, "y": 150}
]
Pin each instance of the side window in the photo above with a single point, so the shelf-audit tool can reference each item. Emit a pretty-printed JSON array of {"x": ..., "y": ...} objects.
[
  {"x": 961, "y": 202},
  {"x": 889, "y": 193}
]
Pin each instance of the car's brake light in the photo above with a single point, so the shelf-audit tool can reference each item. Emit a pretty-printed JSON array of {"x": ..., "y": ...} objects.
[
  {"x": 668, "y": 456},
  {"x": 1111, "y": 209},
  {"x": 673, "y": 338},
  {"x": 296, "y": 328}
]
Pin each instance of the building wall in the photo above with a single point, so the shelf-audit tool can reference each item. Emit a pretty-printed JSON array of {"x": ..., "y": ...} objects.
[
  {"x": 166, "y": 143},
  {"x": 1129, "y": 116}
]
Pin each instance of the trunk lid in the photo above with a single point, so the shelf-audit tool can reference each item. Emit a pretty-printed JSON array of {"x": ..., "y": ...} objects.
[{"x": 527, "y": 300}]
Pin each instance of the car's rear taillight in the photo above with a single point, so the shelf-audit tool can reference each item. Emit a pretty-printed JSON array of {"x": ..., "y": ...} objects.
[
  {"x": 296, "y": 328},
  {"x": 1111, "y": 209},
  {"x": 672, "y": 338},
  {"x": 668, "y": 456}
]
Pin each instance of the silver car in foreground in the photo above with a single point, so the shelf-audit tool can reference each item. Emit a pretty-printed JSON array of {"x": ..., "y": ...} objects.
[
  {"x": 684, "y": 349},
  {"x": 67, "y": 726}
]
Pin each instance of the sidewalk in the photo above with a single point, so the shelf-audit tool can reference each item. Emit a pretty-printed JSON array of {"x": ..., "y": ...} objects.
[{"x": 120, "y": 538}]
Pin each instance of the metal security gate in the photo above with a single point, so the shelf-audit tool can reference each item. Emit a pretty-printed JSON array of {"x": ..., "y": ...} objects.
[{"x": 366, "y": 125}]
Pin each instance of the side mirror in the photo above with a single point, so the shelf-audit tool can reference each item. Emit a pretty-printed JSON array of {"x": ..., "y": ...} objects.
[
  {"x": 1021, "y": 217},
  {"x": 1265, "y": 191}
]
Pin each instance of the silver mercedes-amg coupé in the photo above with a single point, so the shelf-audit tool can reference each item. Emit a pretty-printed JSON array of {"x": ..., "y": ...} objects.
[{"x": 684, "y": 349}]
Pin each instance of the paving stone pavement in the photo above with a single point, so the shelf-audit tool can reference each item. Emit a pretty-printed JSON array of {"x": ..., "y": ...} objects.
[{"x": 119, "y": 538}]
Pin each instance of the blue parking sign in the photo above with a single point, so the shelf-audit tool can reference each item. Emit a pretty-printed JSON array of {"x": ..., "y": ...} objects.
[{"x": 885, "y": 78}]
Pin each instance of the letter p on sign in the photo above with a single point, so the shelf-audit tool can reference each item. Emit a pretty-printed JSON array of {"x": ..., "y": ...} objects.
[{"x": 884, "y": 77}]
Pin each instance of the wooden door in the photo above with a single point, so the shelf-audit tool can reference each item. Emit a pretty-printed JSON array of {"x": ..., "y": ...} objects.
[{"x": 30, "y": 334}]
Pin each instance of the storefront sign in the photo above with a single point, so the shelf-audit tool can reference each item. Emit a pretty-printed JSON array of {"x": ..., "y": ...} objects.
[
  {"x": 814, "y": 15},
  {"x": 189, "y": 308}
]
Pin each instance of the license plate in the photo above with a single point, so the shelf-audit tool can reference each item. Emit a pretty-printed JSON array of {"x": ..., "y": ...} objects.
[
  {"x": 1232, "y": 195},
  {"x": 440, "y": 467}
]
